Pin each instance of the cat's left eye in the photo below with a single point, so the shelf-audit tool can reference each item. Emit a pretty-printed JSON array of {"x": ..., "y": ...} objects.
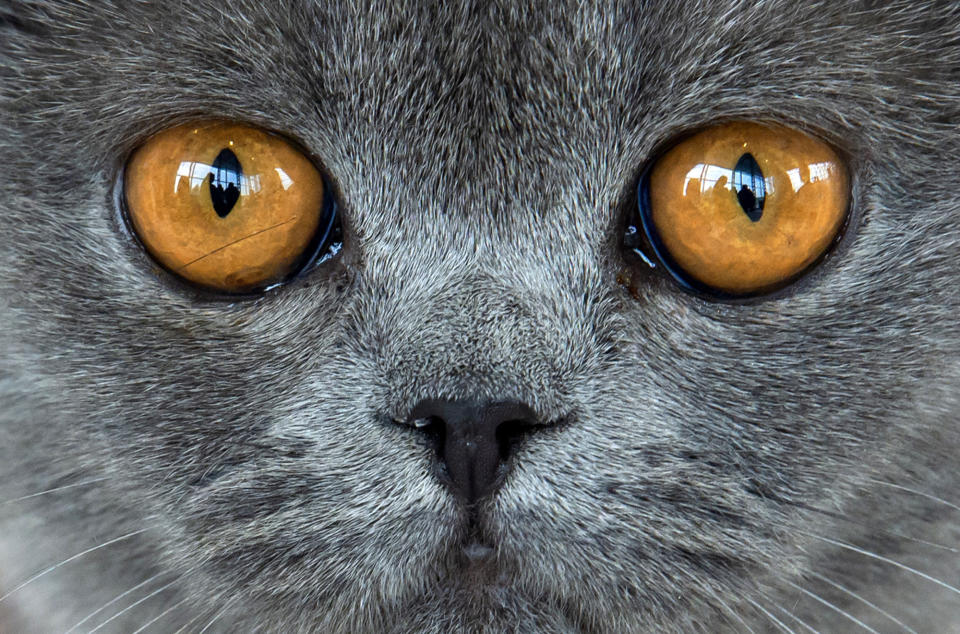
[
  {"x": 741, "y": 209},
  {"x": 229, "y": 207}
]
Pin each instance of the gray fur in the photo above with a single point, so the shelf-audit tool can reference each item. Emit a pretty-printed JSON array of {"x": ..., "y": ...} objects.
[{"x": 485, "y": 155}]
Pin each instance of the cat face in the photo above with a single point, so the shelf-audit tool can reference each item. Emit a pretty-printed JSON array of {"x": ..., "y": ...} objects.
[{"x": 686, "y": 462}]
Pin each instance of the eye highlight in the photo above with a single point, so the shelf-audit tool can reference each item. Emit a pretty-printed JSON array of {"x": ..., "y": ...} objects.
[
  {"x": 229, "y": 207},
  {"x": 741, "y": 208}
]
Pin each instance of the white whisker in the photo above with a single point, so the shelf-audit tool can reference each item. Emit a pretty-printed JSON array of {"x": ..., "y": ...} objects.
[
  {"x": 916, "y": 492},
  {"x": 70, "y": 559},
  {"x": 861, "y": 599},
  {"x": 160, "y": 616},
  {"x": 867, "y": 553},
  {"x": 190, "y": 622},
  {"x": 792, "y": 615},
  {"x": 726, "y": 608},
  {"x": 54, "y": 490},
  {"x": 226, "y": 606},
  {"x": 880, "y": 531},
  {"x": 133, "y": 605},
  {"x": 114, "y": 600},
  {"x": 925, "y": 542},
  {"x": 820, "y": 599},
  {"x": 777, "y": 621}
]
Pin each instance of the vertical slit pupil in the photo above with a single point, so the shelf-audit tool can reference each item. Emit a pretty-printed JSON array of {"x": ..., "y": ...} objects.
[
  {"x": 225, "y": 177},
  {"x": 749, "y": 186}
]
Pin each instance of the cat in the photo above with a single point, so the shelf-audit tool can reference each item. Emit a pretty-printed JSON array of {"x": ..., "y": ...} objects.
[{"x": 173, "y": 461}]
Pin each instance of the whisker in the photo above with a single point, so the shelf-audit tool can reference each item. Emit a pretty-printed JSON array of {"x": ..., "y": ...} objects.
[
  {"x": 777, "y": 621},
  {"x": 925, "y": 542},
  {"x": 140, "y": 472},
  {"x": 867, "y": 553},
  {"x": 861, "y": 599},
  {"x": 880, "y": 531},
  {"x": 115, "y": 599},
  {"x": 226, "y": 606},
  {"x": 191, "y": 622},
  {"x": 791, "y": 615},
  {"x": 54, "y": 490},
  {"x": 133, "y": 605},
  {"x": 916, "y": 492},
  {"x": 726, "y": 607},
  {"x": 820, "y": 599},
  {"x": 70, "y": 559},
  {"x": 160, "y": 616}
]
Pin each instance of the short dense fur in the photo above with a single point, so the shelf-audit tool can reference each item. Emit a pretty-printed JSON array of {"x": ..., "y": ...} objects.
[{"x": 713, "y": 466}]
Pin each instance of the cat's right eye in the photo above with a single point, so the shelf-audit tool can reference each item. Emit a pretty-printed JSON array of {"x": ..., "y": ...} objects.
[{"x": 229, "y": 207}]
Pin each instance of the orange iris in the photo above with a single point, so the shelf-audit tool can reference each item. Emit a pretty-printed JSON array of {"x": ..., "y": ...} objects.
[
  {"x": 223, "y": 205},
  {"x": 742, "y": 208}
]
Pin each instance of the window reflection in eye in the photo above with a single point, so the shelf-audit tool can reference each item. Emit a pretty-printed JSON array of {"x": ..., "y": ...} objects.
[
  {"x": 706, "y": 177},
  {"x": 197, "y": 174},
  {"x": 746, "y": 181}
]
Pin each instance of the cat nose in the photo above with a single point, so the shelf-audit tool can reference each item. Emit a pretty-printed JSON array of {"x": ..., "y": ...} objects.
[{"x": 473, "y": 441}]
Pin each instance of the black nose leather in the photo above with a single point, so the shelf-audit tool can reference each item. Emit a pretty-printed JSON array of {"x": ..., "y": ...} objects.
[{"x": 473, "y": 440}]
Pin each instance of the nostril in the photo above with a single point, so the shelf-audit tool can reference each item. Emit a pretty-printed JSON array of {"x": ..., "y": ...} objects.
[
  {"x": 510, "y": 434},
  {"x": 430, "y": 427}
]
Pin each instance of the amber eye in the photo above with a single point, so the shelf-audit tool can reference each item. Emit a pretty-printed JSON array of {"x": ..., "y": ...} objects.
[
  {"x": 742, "y": 208},
  {"x": 229, "y": 207}
]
